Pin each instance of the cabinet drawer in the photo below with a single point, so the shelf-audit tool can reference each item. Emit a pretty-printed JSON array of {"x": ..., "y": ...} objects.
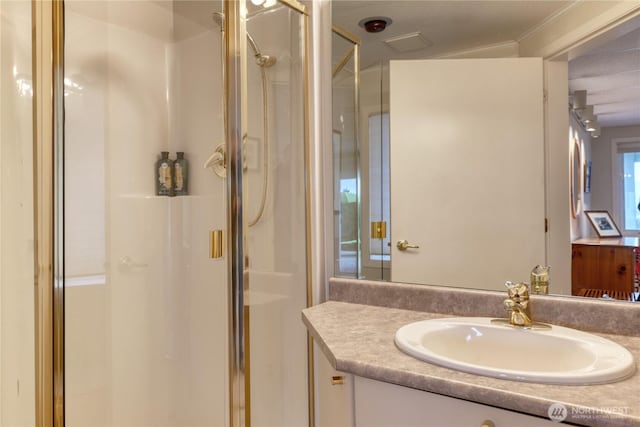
[{"x": 379, "y": 404}]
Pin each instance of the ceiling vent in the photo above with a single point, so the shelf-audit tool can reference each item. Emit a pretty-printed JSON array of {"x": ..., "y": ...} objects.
[{"x": 408, "y": 42}]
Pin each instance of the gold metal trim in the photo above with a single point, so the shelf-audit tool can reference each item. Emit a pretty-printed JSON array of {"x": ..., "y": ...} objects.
[
  {"x": 344, "y": 61},
  {"x": 378, "y": 229},
  {"x": 235, "y": 78},
  {"x": 345, "y": 34},
  {"x": 247, "y": 359},
  {"x": 58, "y": 212},
  {"x": 295, "y": 5},
  {"x": 356, "y": 127},
  {"x": 41, "y": 14},
  {"x": 216, "y": 246},
  {"x": 308, "y": 218}
]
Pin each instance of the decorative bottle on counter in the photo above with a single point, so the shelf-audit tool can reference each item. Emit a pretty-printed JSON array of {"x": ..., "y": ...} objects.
[
  {"x": 164, "y": 181},
  {"x": 180, "y": 175},
  {"x": 540, "y": 279}
]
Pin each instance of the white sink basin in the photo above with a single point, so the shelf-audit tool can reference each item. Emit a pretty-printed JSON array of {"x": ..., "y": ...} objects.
[{"x": 555, "y": 356}]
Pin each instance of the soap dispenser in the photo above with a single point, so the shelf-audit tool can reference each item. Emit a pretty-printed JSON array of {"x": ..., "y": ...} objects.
[
  {"x": 540, "y": 279},
  {"x": 180, "y": 181},
  {"x": 164, "y": 181}
]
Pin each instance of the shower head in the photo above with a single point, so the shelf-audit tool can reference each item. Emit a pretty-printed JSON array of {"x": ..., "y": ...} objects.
[
  {"x": 218, "y": 18},
  {"x": 265, "y": 60},
  {"x": 262, "y": 60}
]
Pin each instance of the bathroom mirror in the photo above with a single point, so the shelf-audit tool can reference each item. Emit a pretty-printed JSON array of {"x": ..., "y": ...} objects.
[
  {"x": 344, "y": 82},
  {"x": 490, "y": 29}
]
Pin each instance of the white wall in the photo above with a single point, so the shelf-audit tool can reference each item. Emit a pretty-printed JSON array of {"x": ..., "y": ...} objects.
[
  {"x": 599, "y": 151},
  {"x": 558, "y": 210},
  {"x": 17, "y": 379},
  {"x": 601, "y": 173}
]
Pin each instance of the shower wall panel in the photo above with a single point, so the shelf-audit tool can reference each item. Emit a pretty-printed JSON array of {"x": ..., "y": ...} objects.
[
  {"x": 17, "y": 380},
  {"x": 200, "y": 283},
  {"x": 146, "y": 344}
]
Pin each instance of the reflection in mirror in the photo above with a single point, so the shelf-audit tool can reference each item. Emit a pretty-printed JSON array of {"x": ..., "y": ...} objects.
[
  {"x": 576, "y": 178},
  {"x": 374, "y": 166},
  {"x": 578, "y": 55},
  {"x": 378, "y": 249},
  {"x": 346, "y": 186}
]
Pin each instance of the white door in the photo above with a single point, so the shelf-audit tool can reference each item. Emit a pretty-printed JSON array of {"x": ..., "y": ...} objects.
[{"x": 467, "y": 170}]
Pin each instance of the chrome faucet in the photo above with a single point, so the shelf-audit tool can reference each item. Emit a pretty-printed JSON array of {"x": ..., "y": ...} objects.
[{"x": 518, "y": 304}]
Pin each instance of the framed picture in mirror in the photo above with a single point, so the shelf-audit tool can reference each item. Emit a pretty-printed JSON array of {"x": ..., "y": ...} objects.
[
  {"x": 587, "y": 177},
  {"x": 603, "y": 223}
]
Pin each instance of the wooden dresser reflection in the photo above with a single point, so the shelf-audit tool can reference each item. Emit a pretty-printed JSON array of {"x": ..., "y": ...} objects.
[{"x": 604, "y": 264}]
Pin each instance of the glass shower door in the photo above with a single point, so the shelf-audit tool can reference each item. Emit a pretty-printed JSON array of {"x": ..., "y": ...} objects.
[
  {"x": 146, "y": 308},
  {"x": 145, "y": 305},
  {"x": 275, "y": 215},
  {"x": 17, "y": 379}
]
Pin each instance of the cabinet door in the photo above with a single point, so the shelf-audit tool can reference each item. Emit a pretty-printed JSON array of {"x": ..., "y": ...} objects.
[
  {"x": 334, "y": 398},
  {"x": 616, "y": 268},
  {"x": 584, "y": 268},
  {"x": 379, "y": 404}
]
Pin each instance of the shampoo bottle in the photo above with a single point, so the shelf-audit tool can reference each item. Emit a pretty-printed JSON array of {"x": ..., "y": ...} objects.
[
  {"x": 164, "y": 181},
  {"x": 180, "y": 175}
]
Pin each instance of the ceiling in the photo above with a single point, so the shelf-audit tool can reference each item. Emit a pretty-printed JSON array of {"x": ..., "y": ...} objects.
[
  {"x": 610, "y": 72},
  {"x": 611, "y": 76}
]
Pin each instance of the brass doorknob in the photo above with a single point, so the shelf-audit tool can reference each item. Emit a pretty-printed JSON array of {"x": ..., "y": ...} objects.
[{"x": 403, "y": 245}]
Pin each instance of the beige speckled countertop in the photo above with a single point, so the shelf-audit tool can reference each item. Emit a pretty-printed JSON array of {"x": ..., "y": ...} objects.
[{"x": 359, "y": 339}]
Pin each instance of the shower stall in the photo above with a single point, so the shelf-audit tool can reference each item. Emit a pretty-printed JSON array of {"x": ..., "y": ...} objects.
[
  {"x": 17, "y": 376},
  {"x": 152, "y": 324}
]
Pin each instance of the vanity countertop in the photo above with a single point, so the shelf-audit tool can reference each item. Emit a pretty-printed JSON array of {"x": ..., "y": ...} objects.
[{"x": 359, "y": 339}]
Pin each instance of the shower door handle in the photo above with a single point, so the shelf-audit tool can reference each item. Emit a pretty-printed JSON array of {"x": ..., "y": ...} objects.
[{"x": 216, "y": 244}]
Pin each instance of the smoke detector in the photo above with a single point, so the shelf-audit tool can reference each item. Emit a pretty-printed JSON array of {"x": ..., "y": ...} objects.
[{"x": 375, "y": 24}]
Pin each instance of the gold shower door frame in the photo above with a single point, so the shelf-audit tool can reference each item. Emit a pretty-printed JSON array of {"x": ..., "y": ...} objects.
[{"x": 48, "y": 107}]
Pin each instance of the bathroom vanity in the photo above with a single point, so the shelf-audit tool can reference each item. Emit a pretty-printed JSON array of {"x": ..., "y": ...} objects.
[
  {"x": 355, "y": 331},
  {"x": 362, "y": 402}
]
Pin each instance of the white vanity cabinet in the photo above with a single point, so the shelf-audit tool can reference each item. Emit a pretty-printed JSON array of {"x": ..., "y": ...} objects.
[
  {"x": 380, "y": 404},
  {"x": 334, "y": 394},
  {"x": 345, "y": 400}
]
